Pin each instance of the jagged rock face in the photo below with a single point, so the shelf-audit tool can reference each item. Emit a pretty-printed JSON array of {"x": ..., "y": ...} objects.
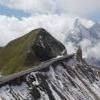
[
  {"x": 47, "y": 47},
  {"x": 80, "y": 32},
  {"x": 67, "y": 79}
]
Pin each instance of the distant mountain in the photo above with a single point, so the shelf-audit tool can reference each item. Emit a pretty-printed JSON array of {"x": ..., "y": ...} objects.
[
  {"x": 86, "y": 36},
  {"x": 80, "y": 32},
  {"x": 29, "y": 50}
]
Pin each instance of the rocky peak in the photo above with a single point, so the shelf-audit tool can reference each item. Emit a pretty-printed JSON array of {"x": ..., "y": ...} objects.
[
  {"x": 77, "y": 22},
  {"x": 47, "y": 47},
  {"x": 79, "y": 54}
]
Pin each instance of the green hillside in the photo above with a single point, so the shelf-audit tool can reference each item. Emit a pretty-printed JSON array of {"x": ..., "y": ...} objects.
[
  {"x": 29, "y": 50},
  {"x": 13, "y": 56}
]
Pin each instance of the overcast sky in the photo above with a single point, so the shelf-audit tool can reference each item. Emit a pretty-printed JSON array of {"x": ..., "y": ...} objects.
[
  {"x": 87, "y": 8},
  {"x": 20, "y": 16}
]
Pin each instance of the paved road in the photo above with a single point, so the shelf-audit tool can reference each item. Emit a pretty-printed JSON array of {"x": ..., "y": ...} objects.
[{"x": 6, "y": 79}]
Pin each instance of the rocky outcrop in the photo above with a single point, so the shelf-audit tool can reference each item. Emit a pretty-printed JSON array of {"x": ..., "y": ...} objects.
[
  {"x": 79, "y": 54},
  {"x": 47, "y": 47}
]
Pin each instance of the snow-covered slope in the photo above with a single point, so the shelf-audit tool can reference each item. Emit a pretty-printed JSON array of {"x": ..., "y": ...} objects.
[{"x": 68, "y": 79}]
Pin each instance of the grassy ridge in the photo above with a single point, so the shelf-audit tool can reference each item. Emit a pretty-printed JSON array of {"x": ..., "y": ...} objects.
[{"x": 12, "y": 56}]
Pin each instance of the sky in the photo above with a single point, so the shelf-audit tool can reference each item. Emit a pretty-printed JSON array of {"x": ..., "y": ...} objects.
[
  {"x": 20, "y": 16},
  {"x": 23, "y": 8}
]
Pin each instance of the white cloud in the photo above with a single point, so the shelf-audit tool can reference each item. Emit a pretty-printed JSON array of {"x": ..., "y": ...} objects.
[
  {"x": 82, "y": 7},
  {"x": 95, "y": 51},
  {"x": 12, "y": 27}
]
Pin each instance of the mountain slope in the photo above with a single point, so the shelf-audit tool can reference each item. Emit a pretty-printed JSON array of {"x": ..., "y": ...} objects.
[
  {"x": 29, "y": 50},
  {"x": 70, "y": 78},
  {"x": 12, "y": 56},
  {"x": 80, "y": 32}
]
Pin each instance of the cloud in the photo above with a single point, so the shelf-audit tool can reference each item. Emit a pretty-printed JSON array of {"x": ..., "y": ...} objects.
[
  {"x": 31, "y": 6},
  {"x": 80, "y": 7},
  {"x": 12, "y": 27},
  {"x": 57, "y": 25},
  {"x": 95, "y": 51}
]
